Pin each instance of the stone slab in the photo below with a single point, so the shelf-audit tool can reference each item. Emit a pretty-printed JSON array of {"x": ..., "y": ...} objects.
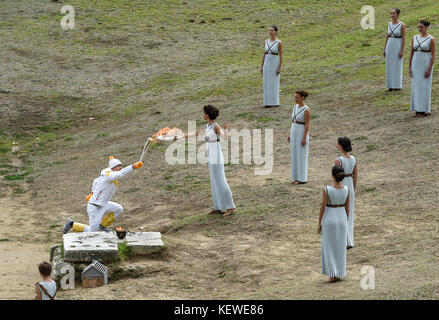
[
  {"x": 89, "y": 246},
  {"x": 143, "y": 243},
  {"x": 102, "y": 246}
]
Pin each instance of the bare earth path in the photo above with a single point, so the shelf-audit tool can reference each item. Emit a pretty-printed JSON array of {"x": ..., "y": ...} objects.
[{"x": 71, "y": 99}]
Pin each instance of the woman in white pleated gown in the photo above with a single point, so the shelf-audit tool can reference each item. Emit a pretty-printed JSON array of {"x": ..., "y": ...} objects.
[
  {"x": 350, "y": 167},
  {"x": 271, "y": 68},
  {"x": 394, "y": 51},
  {"x": 332, "y": 226},
  {"x": 299, "y": 139},
  {"x": 422, "y": 58},
  {"x": 221, "y": 192}
]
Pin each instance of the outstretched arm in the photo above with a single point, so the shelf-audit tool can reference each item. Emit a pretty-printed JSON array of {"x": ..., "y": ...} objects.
[
  {"x": 117, "y": 175},
  {"x": 194, "y": 134}
]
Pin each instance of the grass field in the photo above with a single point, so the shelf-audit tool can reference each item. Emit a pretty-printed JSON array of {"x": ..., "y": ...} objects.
[{"x": 71, "y": 98}]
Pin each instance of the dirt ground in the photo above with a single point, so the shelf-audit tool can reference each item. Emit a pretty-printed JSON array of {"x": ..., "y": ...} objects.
[{"x": 127, "y": 85}]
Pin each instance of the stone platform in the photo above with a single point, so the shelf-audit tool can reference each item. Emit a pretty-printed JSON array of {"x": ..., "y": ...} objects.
[{"x": 102, "y": 246}]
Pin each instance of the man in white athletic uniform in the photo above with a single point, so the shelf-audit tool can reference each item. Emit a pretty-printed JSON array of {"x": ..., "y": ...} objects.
[{"x": 101, "y": 211}]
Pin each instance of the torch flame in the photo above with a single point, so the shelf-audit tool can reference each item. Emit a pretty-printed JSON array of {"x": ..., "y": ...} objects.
[{"x": 168, "y": 132}]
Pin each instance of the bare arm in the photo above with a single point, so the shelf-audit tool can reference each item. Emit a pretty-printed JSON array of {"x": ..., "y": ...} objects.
[
  {"x": 412, "y": 51},
  {"x": 221, "y": 132},
  {"x": 263, "y": 60},
  {"x": 280, "y": 48},
  {"x": 433, "y": 53},
  {"x": 355, "y": 176},
  {"x": 38, "y": 295},
  {"x": 289, "y": 132},
  {"x": 322, "y": 211},
  {"x": 346, "y": 206},
  {"x": 401, "y": 54},
  {"x": 305, "y": 133}
]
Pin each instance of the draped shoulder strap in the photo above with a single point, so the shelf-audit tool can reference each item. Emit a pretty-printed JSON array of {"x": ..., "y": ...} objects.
[
  {"x": 295, "y": 115},
  {"x": 327, "y": 195},
  {"x": 420, "y": 43},
  {"x": 393, "y": 30},
  {"x": 269, "y": 47},
  {"x": 341, "y": 162},
  {"x": 45, "y": 291}
]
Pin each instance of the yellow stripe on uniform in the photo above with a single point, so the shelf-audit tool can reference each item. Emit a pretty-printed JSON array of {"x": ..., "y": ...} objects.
[
  {"x": 78, "y": 227},
  {"x": 108, "y": 219}
]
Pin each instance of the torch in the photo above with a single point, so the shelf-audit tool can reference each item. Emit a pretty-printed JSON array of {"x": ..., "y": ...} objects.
[{"x": 145, "y": 148}]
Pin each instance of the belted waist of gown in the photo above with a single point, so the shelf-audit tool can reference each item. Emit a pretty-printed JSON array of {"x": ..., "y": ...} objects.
[
  {"x": 396, "y": 37},
  {"x": 422, "y": 50},
  {"x": 217, "y": 140},
  {"x": 298, "y": 122},
  {"x": 335, "y": 205},
  {"x": 273, "y": 53}
]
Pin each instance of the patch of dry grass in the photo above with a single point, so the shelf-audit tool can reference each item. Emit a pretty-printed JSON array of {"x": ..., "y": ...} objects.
[{"x": 135, "y": 69}]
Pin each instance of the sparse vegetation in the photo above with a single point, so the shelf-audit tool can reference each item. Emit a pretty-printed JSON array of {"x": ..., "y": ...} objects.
[
  {"x": 131, "y": 68},
  {"x": 124, "y": 250}
]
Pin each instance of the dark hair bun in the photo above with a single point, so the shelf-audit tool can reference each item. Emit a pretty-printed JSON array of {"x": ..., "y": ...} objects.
[
  {"x": 211, "y": 111},
  {"x": 345, "y": 143},
  {"x": 398, "y": 12},
  {"x": 338, "y": 173},
  {"x": 274, "y": 27},
  {"x": 302, "y": 93},
  {"x": 425, "y": 22}
]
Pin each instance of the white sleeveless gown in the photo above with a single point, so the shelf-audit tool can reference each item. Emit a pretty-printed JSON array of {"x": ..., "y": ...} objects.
[
  {"x": 348, "y": 165},
  {"x": 221, "y": 193},
  {"x": 271, "y": 79},
  {"x": 421, "y": 86},
  {"x": 334, "y": 233},
  {"x": 393, "y": 63},
  {"x": 299, "y": 153}
]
